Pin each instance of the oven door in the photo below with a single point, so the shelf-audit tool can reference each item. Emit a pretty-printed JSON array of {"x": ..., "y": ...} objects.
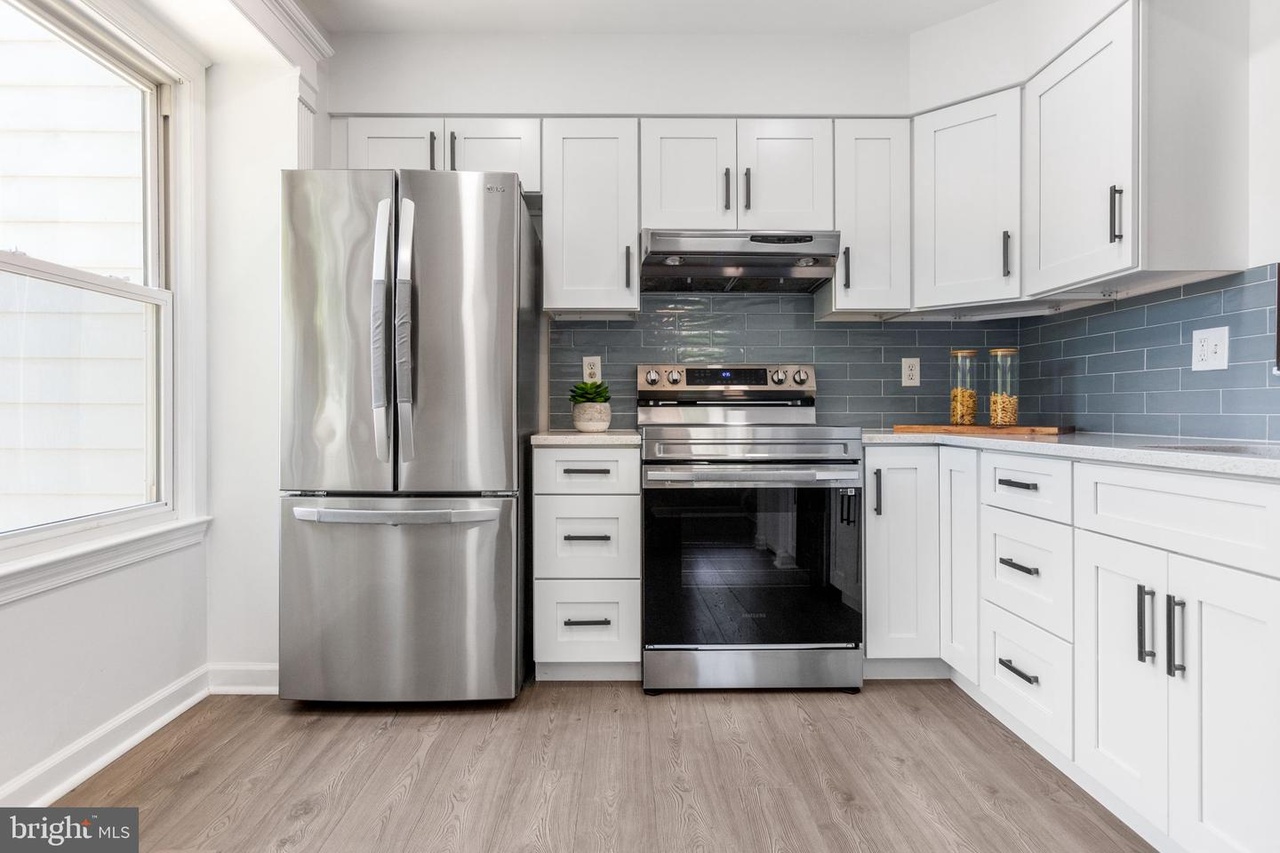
[{"x": 752, "y": 556}]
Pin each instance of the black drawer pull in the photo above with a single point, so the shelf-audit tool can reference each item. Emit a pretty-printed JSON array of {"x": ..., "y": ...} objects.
[
  {"x": 1172, "y": 605},
  {"x": 1007, "y": 663},
  {"x": 588, "y": 471},
  {"x": 1143, "y": 593},
  {"x": 1018, "y": 484},
  {"x": 572, "y": 537},
  {"x": 1016, "y": 566},
  {"x": 579, "y": 623}
]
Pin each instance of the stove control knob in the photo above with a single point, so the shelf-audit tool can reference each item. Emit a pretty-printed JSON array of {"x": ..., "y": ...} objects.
[
  {"x": 652, "y": 377},
  {"x": 674, "y": 377},
  {"x": 800, "y": 377},
  {"x": 779, "y": 376}
]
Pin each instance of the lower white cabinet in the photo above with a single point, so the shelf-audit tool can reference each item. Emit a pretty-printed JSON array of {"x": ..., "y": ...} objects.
[
  {"x": 1026, "y": 568},
  {"x": 586, "y": 536},
  {"x": 958, "y": 558},
  {"x": 902, "y": 619},
  {"x": 594, "y": 621},
  {"x": 1027, "y": 671}
]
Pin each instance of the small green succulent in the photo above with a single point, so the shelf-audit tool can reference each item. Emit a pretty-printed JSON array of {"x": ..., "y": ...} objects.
[{"x": 589, "y": 392}]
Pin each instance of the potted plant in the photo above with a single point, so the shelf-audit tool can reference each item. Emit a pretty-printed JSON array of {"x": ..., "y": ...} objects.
[{"x": 591, "y": 412}]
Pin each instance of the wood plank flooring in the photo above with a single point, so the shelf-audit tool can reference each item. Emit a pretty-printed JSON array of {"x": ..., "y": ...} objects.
[{"x": 589, "y": 768}]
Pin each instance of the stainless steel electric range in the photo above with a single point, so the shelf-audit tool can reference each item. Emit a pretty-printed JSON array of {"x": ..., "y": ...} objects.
[{"x": 752, "y": 534}]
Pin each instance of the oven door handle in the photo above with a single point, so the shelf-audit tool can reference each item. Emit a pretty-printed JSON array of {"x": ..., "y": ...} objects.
[{"x": 798, "y": 476}]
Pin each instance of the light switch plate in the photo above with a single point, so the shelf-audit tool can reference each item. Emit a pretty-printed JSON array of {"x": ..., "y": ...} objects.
[
  {"x": 1209, "y": 349},
  {"x": 911, "y": 373},
  {"x": 591, "y": 368}
]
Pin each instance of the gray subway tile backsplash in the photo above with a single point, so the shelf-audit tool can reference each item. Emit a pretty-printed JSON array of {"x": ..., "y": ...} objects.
[{"x": 1120, "y": 366}]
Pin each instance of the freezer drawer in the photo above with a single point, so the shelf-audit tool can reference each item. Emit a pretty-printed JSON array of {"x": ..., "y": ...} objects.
[{"x": 398, "y": 599}]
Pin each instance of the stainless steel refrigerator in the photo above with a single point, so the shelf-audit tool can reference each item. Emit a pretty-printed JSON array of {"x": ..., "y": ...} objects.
[{"x": 409, "y": 353}]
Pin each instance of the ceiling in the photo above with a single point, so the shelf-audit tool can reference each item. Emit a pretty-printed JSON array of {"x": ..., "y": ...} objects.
[{"x": 721, "y": 17}]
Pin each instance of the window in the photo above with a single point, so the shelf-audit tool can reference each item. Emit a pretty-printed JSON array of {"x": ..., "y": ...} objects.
[{"x": 85, "y": 315}]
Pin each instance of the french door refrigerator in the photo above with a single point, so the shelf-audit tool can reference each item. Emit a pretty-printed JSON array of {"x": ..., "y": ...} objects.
[{"x": 409, "y": 358}]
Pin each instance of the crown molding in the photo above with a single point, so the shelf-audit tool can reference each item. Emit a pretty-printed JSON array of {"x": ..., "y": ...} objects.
[{"x": 300, "y": 26}]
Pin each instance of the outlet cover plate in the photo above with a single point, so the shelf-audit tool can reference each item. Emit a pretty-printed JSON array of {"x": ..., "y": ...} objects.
[
  {"x": 911, "y": 373},
  {"x": 1209, "y": 348},
  {"x": 591, "y": 368}
]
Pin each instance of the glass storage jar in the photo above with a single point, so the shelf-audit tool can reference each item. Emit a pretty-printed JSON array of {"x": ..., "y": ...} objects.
[
  {"x": 1004, "y": 386},
  {"x": 964, "y": 387}
]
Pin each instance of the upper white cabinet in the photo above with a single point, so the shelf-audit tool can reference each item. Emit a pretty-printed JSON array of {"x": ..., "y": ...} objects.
[
  {"x": 395, "y": 143},
  {"x": 756, "y": 174},
  {"x": 1135, "y": 165},
  {"x": 967, "y": 202},
  {"x": 902, "y": 552},
  {"x": 590, "y": 215},
  {"x": 873, "y": 216},
  {"x": 496, "y": 145}
]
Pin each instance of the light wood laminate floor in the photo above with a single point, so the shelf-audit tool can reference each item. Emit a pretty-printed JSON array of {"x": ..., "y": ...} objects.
[{"x": 905, "y": 766}]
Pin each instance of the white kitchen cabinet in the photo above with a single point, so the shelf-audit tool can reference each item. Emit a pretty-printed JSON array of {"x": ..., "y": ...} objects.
[
  {"x": 381, "y": 142},
  {"x": 1135, "y": 164},
  {"x": 958, "y": 558},
  {"x": 590, "y": 215},
  {"x": 966, "y": 202},
  {"x": 1028, "y": 672},
  {"x": 902, "y": 619},
  {"x": 786, "y": 174},
  {"x": 1027, "y": 568},
  {"x": 497, "y": 145},
  {"x": 688, "y": 173},
  {"x": 873, "y": 216}
]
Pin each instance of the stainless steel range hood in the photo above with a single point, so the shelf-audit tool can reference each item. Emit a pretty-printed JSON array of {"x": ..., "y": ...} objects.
[{"x": 737, "y": 261}]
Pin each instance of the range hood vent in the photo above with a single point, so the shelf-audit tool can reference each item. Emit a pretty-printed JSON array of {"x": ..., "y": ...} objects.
[{"x": 737, "y": 261}]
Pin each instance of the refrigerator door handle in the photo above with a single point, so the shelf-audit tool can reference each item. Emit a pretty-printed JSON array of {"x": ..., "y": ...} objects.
[
  {"x": 320, "y": 515},
  {"x": 378, "y": 333},
  {"x": 404, "y": 330}
]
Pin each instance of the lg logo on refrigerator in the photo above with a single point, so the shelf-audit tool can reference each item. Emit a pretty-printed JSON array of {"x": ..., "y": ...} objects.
[{"x": 494, "y": 188}]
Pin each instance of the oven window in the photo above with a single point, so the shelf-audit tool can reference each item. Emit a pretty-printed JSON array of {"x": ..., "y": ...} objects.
[{"x": 751, "y": 566}]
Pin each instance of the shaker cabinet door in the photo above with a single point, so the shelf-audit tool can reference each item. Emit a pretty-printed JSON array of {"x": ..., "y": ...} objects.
[
  {"x": 958, "y": 531},
  {"x": 497, "y": 145},
  {"x": 381, "y": 142},
  {"x": 785, "y": 176},
  {"x": 688, "y": 173}
]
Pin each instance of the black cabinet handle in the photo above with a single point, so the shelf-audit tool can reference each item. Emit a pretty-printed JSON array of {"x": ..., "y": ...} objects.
[
  {"x": 1004, "y": 250},
  {"x": 453, "y": 150},
  {"x": 627, "y": 260},
  {"x": 1026, "y": 570},
  {"x": 748, "y": 205},
  {"x": 578, "y": 623},
  {"x": 1143, "y": 651},
  {"x": 879, "y": 494},
  {"x": 1018, "y": 484},
  {"x": 848, "y": 279},
  {"x": 431, "y": 142},
  {"x": 844, "y": 508},
  {"x": 1116, "y": 193},
  {"x": 1171, "y": 606},
  {"x": 573, "y": 537},
  {"x": 587, "y": 471},
  {"x": 727, "y": 179},
  {"x": 1007, "y": 663}
]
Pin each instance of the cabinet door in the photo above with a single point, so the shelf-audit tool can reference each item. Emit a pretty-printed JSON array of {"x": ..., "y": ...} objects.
[
  {"x": 786, "y": 179},
  {"x": 395, "y": 143},
  {"x": 966, "y": 201},
  {"x": 1224, "y": 744},
  {"x": 1081, "y": 148},
  {"x": 590, "y": 215},
  {"x": 497, "y": 145},
  {"x": 873, "y": 214},
  {"x": 1122, "y": 693},
  {"x": 688, "y": 173},
  {"x": 958, "y": 558},
  {"x": 902, "y": 552}
]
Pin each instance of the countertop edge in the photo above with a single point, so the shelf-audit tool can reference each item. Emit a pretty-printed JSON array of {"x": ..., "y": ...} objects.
[{"x": 571, "y": 438}]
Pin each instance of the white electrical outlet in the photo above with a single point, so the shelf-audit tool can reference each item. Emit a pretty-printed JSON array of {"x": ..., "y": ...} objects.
[
  {"x": 591, "y": 368},
  {"x": 911, "y": 373},
  {"x": 1209, "y": 349}
]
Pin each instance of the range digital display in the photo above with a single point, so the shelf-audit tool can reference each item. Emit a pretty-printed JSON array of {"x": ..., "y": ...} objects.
[{"x": 727, "y": 376}]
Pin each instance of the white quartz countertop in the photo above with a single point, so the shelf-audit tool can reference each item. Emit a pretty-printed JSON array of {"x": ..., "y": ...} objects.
[
  {"x": 573, "y": 438},
  {"x": 1208, "y": 456}
]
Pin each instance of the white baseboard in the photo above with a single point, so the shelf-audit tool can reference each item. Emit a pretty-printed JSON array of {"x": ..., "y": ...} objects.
[
  {"x": 885, "y": 669},
  {"x": 244, "y": 678},
  {"x": 59, "y": 773},
  {"x": 586, "y": 672}
]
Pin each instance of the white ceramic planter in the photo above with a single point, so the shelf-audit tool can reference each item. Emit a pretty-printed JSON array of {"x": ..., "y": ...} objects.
[{"x": 591, "y": 417}]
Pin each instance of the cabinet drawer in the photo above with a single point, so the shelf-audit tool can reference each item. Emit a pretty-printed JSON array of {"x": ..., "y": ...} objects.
[
  {"x": 1216, "y": 519},
  {"x": 596, "y": 536},
  {"x": 586, "y": 470},
  {"x": 1027, "y": 569},
  {"x": 1041, "y": 697},
  {"x": 1028, "y": 484},
  {"x": 586, "y": 621}
]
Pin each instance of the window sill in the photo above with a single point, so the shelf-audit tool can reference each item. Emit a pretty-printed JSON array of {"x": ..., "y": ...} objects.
[{"x": 34, "y": 575}]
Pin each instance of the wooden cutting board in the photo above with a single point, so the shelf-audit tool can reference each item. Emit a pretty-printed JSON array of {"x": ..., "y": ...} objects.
[{"x": 983, "y": 430}]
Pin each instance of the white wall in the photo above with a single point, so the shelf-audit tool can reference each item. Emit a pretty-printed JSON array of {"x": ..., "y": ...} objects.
[
  {"x": 252, "y": 135},
  {"x": 726, "y": 75},
  {"x": 1264, "y": 132}
]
